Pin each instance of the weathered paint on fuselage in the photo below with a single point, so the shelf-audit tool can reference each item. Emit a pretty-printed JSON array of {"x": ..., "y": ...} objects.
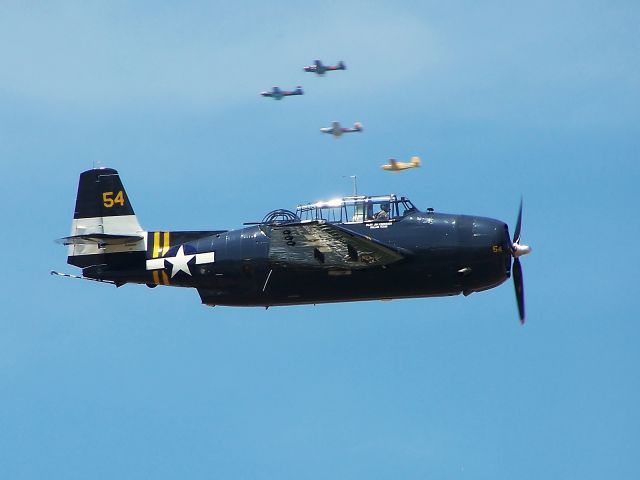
[{"x": 444, "y": 255}]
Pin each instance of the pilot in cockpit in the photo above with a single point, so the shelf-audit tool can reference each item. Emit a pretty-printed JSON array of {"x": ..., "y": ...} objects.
[{"x": 383, "y": 214}]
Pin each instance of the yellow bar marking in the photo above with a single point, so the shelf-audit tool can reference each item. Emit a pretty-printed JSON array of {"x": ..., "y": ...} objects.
[
  {"x": 156, "y": 243},
  {"x": 156, "y": 277},
  {"x": 165, "y": 278},
  {"x": 165, "y": 249}
]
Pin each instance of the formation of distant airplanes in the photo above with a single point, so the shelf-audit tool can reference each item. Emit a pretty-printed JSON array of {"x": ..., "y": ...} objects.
[
  {"x": 319, "y": 68},
  {"x": 336, "y": 129}
]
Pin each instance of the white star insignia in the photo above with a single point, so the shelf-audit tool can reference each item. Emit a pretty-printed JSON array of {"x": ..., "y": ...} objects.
[{"x": 180, "y": 262}]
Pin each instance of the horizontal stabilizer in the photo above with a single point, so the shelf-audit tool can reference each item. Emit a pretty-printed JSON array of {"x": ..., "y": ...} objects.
[
  {"x": 101, "y": 239},
  {"x": 59, "y": 274}
]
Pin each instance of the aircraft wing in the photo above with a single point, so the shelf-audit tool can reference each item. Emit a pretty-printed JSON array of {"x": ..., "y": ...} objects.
[{"x": 318, "y": 244}]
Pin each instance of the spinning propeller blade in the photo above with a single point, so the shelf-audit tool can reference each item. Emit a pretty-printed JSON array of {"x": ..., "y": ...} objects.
[
  {"x": 519, "y": 286},
  {"x": 516, "y": 233},
  {"x": 518, "y": 250}
]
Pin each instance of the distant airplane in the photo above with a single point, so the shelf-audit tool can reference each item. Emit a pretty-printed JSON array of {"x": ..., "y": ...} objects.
[
  {"x": 320, "y": 69},
  {"x": 395, "y": 166},
  {"x": 336, "y": 130},
  {"x": 277, "y": 94}
]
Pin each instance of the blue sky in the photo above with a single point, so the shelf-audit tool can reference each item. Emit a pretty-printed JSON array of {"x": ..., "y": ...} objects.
[{"x": 498, "y": 98}]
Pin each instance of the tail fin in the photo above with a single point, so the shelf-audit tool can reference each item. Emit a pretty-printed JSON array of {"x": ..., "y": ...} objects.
[
  {"x": 105, "y": 230},
  {"x": 341, "y": 65},
  {"x": 415, "y": 161},
  {"x": 101, "y": 194}
]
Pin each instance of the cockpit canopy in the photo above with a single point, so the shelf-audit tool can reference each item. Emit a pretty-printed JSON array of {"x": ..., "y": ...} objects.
[{"x": 357, "y": 209}]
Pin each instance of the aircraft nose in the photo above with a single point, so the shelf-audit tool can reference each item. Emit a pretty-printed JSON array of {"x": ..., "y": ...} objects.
[{"x": 492, "y": 233}]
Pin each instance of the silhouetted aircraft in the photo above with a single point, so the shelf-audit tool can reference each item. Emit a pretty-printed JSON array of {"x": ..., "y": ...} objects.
[
  {"x": 336, "y": 130},
  {"x": 320, "y": 69},
  {"x": 341, "y": 250},
  {"x": 396, "y": 166},
  {"x": 277, "y": 94}
]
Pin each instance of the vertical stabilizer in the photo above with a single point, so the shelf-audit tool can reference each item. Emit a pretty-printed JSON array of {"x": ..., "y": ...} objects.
[{"x": 105, "y": 229}]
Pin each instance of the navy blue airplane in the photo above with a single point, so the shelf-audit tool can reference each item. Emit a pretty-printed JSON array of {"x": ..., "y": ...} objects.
[
  {"x": 278, "y": 94},
  {"x": 347, "y": 249},
  {"x": 319, "y": 68}
]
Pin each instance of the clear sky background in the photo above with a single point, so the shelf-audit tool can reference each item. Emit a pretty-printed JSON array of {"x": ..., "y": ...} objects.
[{"x": 498, "y": 98}]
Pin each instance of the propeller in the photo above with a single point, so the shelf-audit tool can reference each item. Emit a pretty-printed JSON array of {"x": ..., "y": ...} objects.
[{"x": 517, "y": 251}]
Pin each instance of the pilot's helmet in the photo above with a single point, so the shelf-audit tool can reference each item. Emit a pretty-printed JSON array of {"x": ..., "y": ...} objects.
[{"x": 385, "y": 207}]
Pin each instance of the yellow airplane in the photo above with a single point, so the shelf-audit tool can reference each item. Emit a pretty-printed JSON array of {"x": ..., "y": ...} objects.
[{"x": 395, "y": 166}]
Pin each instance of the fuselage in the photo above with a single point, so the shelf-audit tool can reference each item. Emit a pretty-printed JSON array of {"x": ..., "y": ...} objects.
[
  {"x": 336, "y": 131},
  {"x": 444, "y": 254},
  {"x": 319, "y": 68},
  {"x": 398, "y": 166}
]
